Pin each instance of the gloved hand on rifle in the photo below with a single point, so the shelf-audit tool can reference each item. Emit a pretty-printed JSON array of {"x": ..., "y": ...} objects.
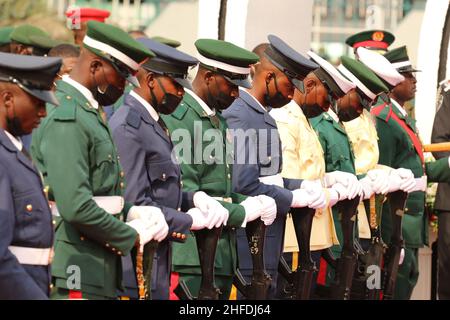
[
  {"x": 367, "y": 188},
  {"x": 380, "y": 180},
  {"x": 261, "y": 206},
  {"x": 334, "y": 194},
  {"x": 348, "y": 180},
  {"x": 199, "y": 219},
  {"x": 216, "y": 214},
  {"x": 310, "y": 194},
  {"x": 401, "y": 179},
  {"x": 149, "y": 220}
]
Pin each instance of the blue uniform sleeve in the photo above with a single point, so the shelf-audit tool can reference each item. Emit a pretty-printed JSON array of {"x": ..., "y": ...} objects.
[
  {"x": 133, "y": 161},
  {"x": 15, "y": 282},
  {"x": 246, "y": 169}
]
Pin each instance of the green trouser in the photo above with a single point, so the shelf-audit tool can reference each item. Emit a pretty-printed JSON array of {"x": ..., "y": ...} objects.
[
  {"x": 408, "y": 273},
  {"x": 63, "y": 294},
  {"x": 224, "y": 283}
]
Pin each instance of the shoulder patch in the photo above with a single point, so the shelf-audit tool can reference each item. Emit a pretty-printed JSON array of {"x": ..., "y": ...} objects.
[
  {"x": 66, "y": 111},
  {"x": 180, "y": 111},
  {"x": 382, "y": 111},
  {"x": 133, "y": 118}
]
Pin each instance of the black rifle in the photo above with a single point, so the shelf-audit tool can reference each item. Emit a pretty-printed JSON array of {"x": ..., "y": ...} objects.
[
  {"x": 207, "y": 245},
  {"x": 361, "y": 289},
  {"x": 346, "y": 264},
  {"x": 397, "y": 202},
  {"x": 260, "y": 283},
  {"x": 300, "y": 280},
  {"x": 143, "y": 263}
]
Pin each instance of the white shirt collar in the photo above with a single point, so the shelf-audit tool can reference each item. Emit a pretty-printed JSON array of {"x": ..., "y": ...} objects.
[
  {"x": 153, "y": 113},
  {"x": 15, "y": 141},
  {"x": 399, "y": 107},
  {"x": 205, "y": 107},
  {"x": 84, "y": 91},
  {"x": 333, "y": 115},
  {"x": 259, "y": 103}
]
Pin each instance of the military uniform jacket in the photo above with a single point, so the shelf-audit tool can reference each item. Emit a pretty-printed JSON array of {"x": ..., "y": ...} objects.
[
  {"x": 25, "y": 221},
  {"x": 303, "y": 158},
  {"x": 397, "y": 151},
  {"x": 152, "y": 177},
  {"x": 211, "y": 175},
  {"x": 74, "y": 150},
  {"x": 263, "y": 157}
]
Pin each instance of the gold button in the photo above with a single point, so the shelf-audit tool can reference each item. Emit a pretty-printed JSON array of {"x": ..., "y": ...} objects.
[
  {"x": 178, "y": 235},
  {"x": 174, "y": 235},
  {"x": 183, "y": 237},
  {"x": 181, "y": 183},
  {"x": 114, "y": 249},
  {"x": 164, "y": 176},
  {"x": 51, "y": 286},
  {"x": 122, "y": 185},
  {"x": 54, "y": 222},
  {"x": 118, "y": 158},
  {"x": 29, "y": 207},
  {"x": 179, "y": 209},
  {"x": 406, "y": 209},
  {"x": 229, "y": 176},
  {"x": 68, "y": 97},
  {"x": 107, "y": 245},
  {"x": 109, "y": 157},
  {"x": 122, "y": 174},
  {"x": 270, "y": 158},
  {"x": 82, "y": 238},
  {"x": 119, "y": 253}
]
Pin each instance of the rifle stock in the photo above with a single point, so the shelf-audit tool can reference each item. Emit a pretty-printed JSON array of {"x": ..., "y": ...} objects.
[
  {"x": 346, "y": 264},
  {"x": 260, "y": 283},
  {"x": 397, "y": 201},
  {"x": 143, "y": 262}
]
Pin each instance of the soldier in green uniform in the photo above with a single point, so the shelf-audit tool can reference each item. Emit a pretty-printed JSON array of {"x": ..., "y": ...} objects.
[
  {"x": 223, "y": 66},
  {"x": 400, "y": 147},
  {"x": 30, "y": 40},
  {"x": 5, "y": 39},
  {"x": 75, "y": 152}
]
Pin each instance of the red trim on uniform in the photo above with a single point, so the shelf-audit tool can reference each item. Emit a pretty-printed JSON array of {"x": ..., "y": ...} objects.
[
  {"x": 372, "y": 44},
  {"x": 174, "y": 278},
  {"x": 322, "y": 276},
  {"x": 73, "y": 295},
  {"x": 412, "y": 135}
]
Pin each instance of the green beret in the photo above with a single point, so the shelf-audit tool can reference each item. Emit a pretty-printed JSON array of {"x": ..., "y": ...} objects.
[
  {"x": 364, "y": 78},
  {"x": 33, "y": 36},
  {"x": 5, "y": 35}
]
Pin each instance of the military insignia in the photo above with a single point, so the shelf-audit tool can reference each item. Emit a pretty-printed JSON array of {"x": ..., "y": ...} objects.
[{"x": 378, "y": 36}]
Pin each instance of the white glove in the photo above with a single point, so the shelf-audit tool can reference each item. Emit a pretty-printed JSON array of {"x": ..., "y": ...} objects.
[
  {"x": 142, "y": 212},
  {"x": 311, "y": 184},
  {"x": 380, "y": 180},
  {"x": 300, "y": 198},
  {"x": 333, "y": 195},
  {"x": 367, "y": 188},
  {"x": 142, "y": 227},
  {"x": 269, "y": 209},
  {"x": 402, "y": 256},
  {"x": 199, "y": 219},
  {"x": 217, "y": 215},
  {"x": 401, "y": 179},
  {"x": 154, "y": 217},
  {"x": 253, "y": 209},
  {"x": 348, "y": 180}
]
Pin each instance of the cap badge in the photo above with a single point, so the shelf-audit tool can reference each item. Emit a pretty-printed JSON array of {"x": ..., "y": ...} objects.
[{"x": 378, "y": 36}]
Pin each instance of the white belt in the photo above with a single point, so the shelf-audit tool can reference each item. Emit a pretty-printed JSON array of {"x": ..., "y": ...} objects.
[
  {"x": 421, "y": 184},
  {"x": 229, "y": 200},
  {"x": 32, "y": 256},
  {"x": 111, "y": 204},
  {"x": 274, "y": 180}
]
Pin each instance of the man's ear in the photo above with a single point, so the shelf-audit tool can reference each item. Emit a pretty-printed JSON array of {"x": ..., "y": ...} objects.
[
  {"x": 95, "y": 65},
  {"x": 208, "y": 76},
  {"x": 269, "y": 76},
  {"x": 150, "y": 79},
  {"x": 309, "y": 84},
  {"x": 7, "y": 98}
]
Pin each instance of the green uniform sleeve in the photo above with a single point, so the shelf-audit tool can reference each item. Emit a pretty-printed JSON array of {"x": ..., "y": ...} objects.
[
  {"x": 438, "y": 171},
  {"x": 65, "y": 150}
]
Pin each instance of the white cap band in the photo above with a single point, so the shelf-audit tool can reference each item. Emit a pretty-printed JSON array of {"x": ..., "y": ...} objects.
[
  {"x": 401, "y": 64},
  {"x": 112, "y": 51},
  {"x": 356, "y": 81},
  {"x": 222, "y": 65}
]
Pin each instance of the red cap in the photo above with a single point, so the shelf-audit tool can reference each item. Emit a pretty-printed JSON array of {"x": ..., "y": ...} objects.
[{"x": 78, "y": 15}]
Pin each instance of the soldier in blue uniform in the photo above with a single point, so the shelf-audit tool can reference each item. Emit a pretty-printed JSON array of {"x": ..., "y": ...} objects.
[
  {"x": 26, "y": 227},
  {"x": 145, "y": 148},
  {"x": 280, "y": 69}
]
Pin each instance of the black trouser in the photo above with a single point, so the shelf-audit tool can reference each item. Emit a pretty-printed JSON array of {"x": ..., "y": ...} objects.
[{"x": 444, "y": 255}]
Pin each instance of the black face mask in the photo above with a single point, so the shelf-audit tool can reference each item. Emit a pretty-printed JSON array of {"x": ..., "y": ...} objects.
[
  {"x": 346, "y": 115},
  {"x": 311, "y": 110},
  {"x": 220, "y": 101},
  {"x": 277, "y": 100},
  {"x": 107, "y": 97},
  {"x": 169, "y": 102}
]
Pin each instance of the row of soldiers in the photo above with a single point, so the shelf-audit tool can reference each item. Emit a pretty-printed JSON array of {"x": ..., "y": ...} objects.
[{"x": 202, "y": 181}]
